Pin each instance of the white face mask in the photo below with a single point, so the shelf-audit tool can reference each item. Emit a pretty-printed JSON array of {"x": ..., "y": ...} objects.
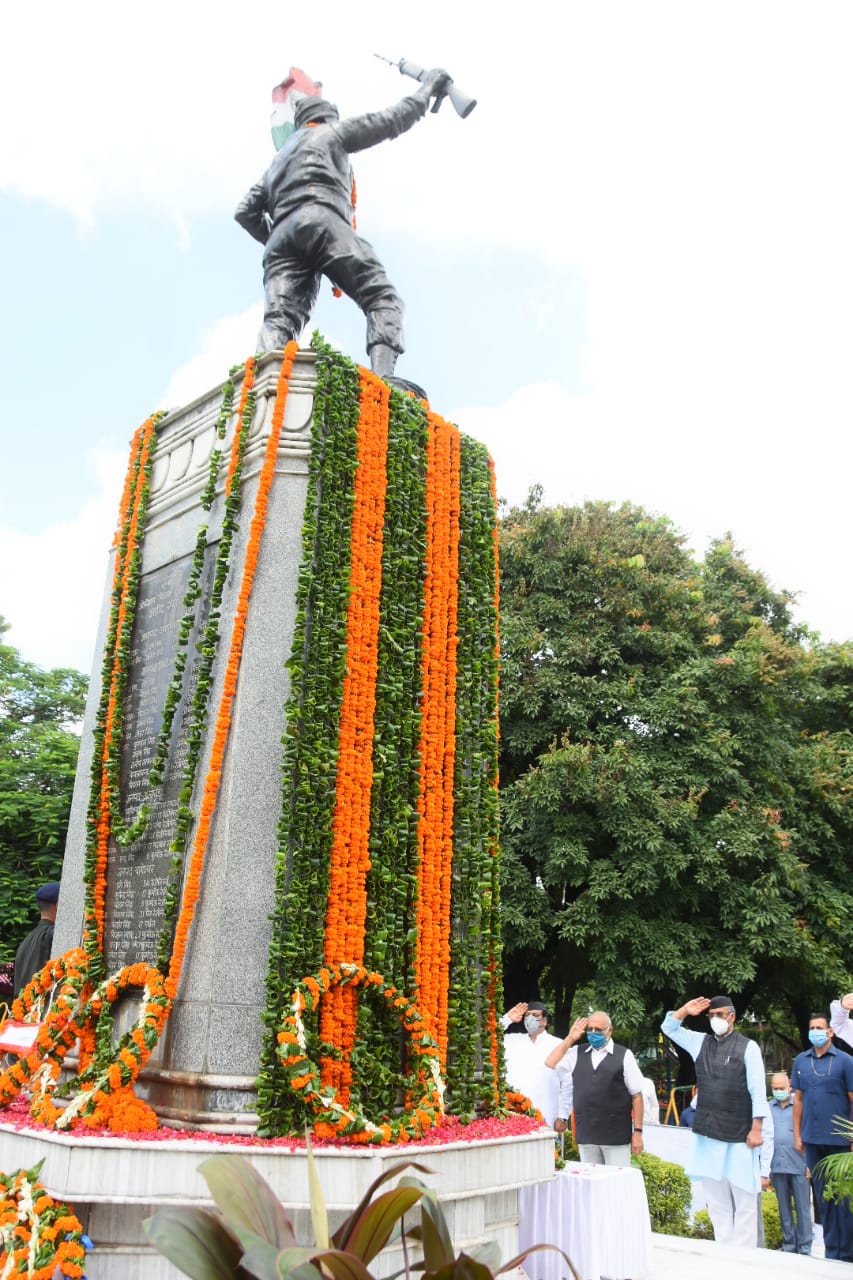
[
  {"x": 719, "y": 1026},
  {"x": 532, "y": 1025}
]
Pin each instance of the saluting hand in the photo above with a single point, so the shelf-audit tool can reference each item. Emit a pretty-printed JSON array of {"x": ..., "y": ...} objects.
[
  {"x": 576, "y": 1030},
  {"x": 694, "y": 1007}
]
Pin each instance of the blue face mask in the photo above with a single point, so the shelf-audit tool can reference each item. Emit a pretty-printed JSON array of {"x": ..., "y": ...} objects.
[
  {"x": 818, "y": 1037},
  {"x": 597, "y": 1039}
]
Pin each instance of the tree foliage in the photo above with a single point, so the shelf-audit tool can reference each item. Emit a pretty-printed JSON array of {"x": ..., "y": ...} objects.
[
  {"x": 676, "y": 773},
  {"x": 40, "y": 712}
]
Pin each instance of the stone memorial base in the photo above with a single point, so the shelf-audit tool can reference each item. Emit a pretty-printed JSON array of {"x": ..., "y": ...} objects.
[
  {"x": 113, "y": 1184},
  {"x": 203, "y": 1070}
]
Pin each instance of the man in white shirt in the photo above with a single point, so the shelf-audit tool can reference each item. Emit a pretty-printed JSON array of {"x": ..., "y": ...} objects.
[
  {"x": 525, "y": 1060},
  {"x": 840, "y": 1018},
  {"x": 607, "y": 1091}
]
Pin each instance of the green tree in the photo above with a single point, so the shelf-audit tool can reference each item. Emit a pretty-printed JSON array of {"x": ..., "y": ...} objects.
[
  {"x": 659, "y": 780},
  {"x": 40, "y": 713}
]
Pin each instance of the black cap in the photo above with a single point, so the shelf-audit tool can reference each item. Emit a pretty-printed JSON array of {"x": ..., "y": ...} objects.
[
  {"x": 48, "y": 892},
  {"x": 721, "y": 1002},
  {"x": 536, "y": 1006}
]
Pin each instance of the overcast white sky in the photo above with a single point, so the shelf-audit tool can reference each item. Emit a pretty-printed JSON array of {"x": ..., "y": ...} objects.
[{"x": 630, "y": 271}]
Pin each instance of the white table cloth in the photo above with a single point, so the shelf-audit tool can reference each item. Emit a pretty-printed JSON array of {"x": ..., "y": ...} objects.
[{"x": 596, "y": 1214}]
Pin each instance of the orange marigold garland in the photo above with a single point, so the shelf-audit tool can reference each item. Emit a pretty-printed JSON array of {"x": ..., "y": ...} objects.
[
  {"x": 334, "y": 1118},
  {"x": 38, "y": 1070},
  {"x": 435, "y": 804},
  {"x": 350, "y": 861},
  {"x": 495, "y": 1081},
  {"x": 104, "y": 1087},
  {"x": 412, "y": 827},
  {"x": 113, "y": 681},
  {"x": 104, "y": 1090},
  {"x": 40, "y": 1238},
  {"x": 222, "y": 723}
]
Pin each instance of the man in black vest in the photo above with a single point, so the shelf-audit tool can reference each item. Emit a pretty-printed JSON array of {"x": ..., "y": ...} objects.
[
  {"x": 607, "y": 1092},
  {"x": 730, "y": 1111}
]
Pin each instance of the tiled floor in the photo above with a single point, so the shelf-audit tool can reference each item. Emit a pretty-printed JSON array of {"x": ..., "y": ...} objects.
[{"x": 676, "y": 1259}]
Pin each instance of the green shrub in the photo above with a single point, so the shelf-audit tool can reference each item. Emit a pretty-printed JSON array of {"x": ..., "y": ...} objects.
[
  {"x": 772, "y": 1222},
  {"x": 701, "y": 1228},
  {"x": 668, "y": 1194}
]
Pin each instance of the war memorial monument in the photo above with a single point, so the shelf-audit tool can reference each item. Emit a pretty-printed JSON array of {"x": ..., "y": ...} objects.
[{"x": 280, "y": 895}]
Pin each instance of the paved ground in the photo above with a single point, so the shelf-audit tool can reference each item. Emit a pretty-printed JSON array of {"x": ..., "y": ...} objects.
[{"x": 676, "y": 1259}]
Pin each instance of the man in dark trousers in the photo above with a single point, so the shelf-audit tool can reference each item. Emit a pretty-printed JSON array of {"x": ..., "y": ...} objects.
[
  {"x": 788, "y": 1172},
  {"x": 606, "y": 1092},
  {"x": 302, "y": 210},
  {"x": 34, "y": 952},
  {"x": 822, "y": 1080}
]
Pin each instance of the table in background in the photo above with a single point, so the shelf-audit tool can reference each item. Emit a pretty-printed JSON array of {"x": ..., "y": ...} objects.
[{"x": 596, "y": 1214}]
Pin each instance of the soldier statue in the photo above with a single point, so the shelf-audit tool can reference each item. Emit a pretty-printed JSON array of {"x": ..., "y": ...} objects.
[{"x": 302, "y": 211}]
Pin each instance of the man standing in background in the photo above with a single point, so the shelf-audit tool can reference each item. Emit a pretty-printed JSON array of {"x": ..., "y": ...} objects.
[
  {"x": 822, "y": 1079},
  {"x": 34, "y": 952},
  {"x": 525, "y": 1060},
  {"x": 788, "y": 1172}
]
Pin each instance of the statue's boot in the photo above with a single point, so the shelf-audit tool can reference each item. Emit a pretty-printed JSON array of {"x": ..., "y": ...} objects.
[
  {"x": 382, "y": 362},
  {"x": 382, "y": 359}
]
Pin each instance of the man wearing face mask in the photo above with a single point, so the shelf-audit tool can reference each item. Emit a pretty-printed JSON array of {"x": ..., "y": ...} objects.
[
  {"x": 606, "y": 1086},
  {"x": 788, "y": 1172},
  {"x": 731, "y": 1107},
  {"x": 822, "y": 1079},
  {"x": 525, "y": 1060}
]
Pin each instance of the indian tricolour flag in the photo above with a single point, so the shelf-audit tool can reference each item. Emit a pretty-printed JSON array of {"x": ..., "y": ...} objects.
[{"x": 285, "y": 97}]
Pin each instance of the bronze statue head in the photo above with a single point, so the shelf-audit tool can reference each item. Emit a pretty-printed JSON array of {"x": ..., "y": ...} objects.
[{"x": 311, "y": 110}]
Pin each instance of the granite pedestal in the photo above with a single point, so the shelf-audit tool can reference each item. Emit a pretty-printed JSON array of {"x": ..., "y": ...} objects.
[
  {"x": 202, "y": 1071},
  {"x": 114, "y": 1184}
]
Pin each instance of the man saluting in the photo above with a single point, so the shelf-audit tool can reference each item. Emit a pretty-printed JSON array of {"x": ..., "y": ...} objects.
[
  {"x": 732, "y": 1105},
  {"x": 605, "y": 1085}
]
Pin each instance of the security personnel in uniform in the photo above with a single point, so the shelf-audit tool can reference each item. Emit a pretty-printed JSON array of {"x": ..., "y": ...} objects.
[{"x": 34, "y": 952}]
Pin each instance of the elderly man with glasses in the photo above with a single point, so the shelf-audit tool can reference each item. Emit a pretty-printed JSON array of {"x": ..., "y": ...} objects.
[
  {"x": 606, "y": 1087},
  {"x": 730, "y": 1112}
]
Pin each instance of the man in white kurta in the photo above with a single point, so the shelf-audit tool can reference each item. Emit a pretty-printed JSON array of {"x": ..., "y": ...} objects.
[
  {"x": 525, "y": 1060},
  {"x": 731, "y": 1109},
  {"x": 841, "y": 1018}
]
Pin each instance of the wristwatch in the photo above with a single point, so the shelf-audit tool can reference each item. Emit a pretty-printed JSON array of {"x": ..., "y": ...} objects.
[{"x": 636, "y": 1130}]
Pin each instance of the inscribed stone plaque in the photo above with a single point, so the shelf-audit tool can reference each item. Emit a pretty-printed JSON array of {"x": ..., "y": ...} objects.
[{"x": 137, "y": 876}]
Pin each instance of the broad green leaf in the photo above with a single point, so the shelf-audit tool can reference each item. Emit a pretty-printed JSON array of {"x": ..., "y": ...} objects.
[
  {"x": 518, "y": 1260},
  {"x": 346, "y": 1228},
  {"x": 461, "y": 1268},
  {"x": 196, "y": 1241},
  {"x": 489, "y": 1254},
  {"x": 371, "y": 1231},
  {"x": 437, "y": 1245},
  {"x": 247, "y": 1202},
  {"x": 341, "y": 1266},
  {"x": 261, "y": 1260}
]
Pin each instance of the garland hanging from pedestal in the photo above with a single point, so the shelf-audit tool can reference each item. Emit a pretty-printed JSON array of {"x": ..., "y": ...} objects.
[{"x": 387, "y": 870}]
